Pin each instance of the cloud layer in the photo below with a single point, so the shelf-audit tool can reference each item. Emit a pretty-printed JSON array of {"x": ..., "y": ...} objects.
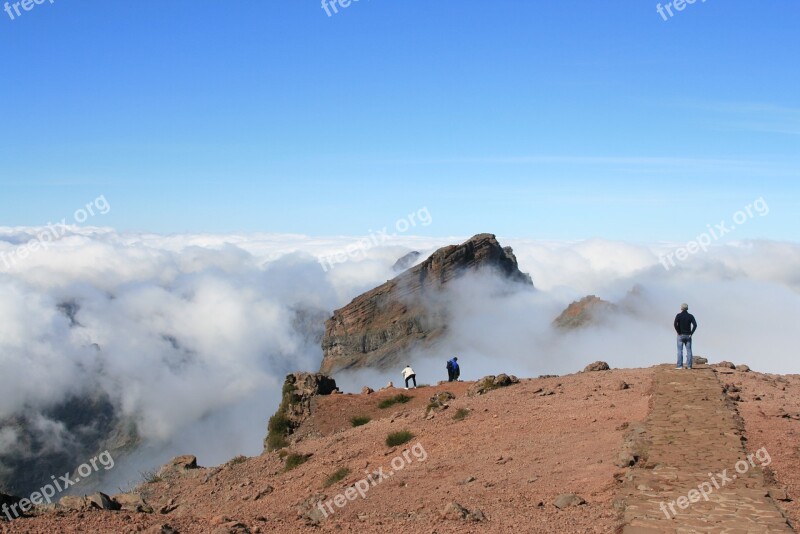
[{"x": 191, "y": 335}]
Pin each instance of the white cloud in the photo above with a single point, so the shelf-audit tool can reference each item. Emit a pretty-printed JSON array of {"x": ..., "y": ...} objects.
[{"x": 196, "y": 332}]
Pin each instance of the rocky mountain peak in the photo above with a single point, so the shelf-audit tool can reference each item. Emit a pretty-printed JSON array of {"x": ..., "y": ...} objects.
[{"x": 381, "y": 325}]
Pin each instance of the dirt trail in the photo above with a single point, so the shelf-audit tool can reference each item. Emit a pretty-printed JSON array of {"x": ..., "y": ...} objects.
[{"x": 693, "y": 439}]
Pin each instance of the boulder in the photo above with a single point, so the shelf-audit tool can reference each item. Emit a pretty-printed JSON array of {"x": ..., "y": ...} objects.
[
  {"x": 725, "y": 365},
  {"x": 699, "y": 360},
  {"x": 71, "y": 502},
  {"x": 596, "y": 366},
  {"x": 455, "y": 512},
  {"x": 178, "y": 466},
  {"x": 568, "y": 500},
  {"x": 132, "y": 502},
  {"x": 491, "y": 382},
  {"x": 366, "y": 390},
  {"x": 101, "y": 501},
  {"x": 743, "y": 368}
]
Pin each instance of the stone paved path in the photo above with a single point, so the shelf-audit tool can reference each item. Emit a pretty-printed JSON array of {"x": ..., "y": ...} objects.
[{"x": 693, "y": 437}]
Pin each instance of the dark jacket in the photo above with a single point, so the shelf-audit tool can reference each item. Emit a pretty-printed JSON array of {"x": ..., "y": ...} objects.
[{"x": 685, "y": 325}]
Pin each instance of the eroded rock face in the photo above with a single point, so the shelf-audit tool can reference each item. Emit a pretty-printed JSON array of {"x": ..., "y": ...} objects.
[{"x": 380, "y": 326}]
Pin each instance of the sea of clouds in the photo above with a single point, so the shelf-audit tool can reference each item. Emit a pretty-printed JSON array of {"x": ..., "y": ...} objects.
[{"x": 192, "y": 335}]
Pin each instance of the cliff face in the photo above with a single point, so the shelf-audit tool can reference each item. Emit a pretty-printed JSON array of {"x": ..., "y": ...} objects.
[{"x": 377, "y": 328}]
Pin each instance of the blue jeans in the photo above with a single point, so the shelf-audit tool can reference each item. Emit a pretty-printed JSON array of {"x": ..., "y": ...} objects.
[{"x": 685, "y": 340}]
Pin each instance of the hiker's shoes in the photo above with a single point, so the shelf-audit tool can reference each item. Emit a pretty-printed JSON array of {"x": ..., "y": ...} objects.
[{"x": 678, "y": 368}]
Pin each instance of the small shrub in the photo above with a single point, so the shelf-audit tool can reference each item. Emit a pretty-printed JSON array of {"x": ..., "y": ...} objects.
[
  {"x": 237, "y": 460},
  {"x": 338, "y": 476},
  {"x": 283, "y": 453},
  {"x": 360, "y": 420},
  {"x": 461, "y": 414},
  {"x": 150, "y": 477},
  {"x": 398, "y": 438},
  {"x": 295, "y": 460},
  {"x": 391, "y": 401}
]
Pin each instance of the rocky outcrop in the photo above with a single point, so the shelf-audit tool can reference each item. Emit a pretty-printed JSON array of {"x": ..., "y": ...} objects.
[
  {"x": 491, "y": 382},
  {"x": 178, "y": 466},
  {"x": 378, "y": 327},
  {"x": 585, "y": 312},
  {"x": 299, "y": 389},
  {"x": 595, "y": 367}
]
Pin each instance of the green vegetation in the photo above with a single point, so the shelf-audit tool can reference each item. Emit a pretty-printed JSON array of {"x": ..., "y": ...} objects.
[
  {"x": 461, "y": 414},
  {"x": 360, "y": 420},
  {"x": 391, "y": 401},
  {"x": 237, "y": 460},
  {"x": 295, "y": 460},
  {"x": 398, "y": 438},
  {"x": 338, "y": 476},
  {"x": 288, "y": 389},
  {"x": 279, "y": 426}
]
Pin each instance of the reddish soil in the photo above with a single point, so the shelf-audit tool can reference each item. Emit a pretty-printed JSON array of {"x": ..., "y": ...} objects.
[
  {"x": 510, "y": 457},
  {"x": 514, "y": 453}
]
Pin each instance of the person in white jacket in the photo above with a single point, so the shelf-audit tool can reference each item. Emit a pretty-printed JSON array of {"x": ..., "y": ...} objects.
[{"x": 409, "y": 374}]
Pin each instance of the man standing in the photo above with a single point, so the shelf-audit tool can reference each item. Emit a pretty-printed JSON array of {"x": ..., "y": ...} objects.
[
  {"x": 453, "y": 371},
  {"x": 409, "y": 374},
  {"x": 685, "y": 326}
]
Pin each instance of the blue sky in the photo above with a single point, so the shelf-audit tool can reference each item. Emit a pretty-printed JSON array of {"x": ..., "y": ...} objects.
[{"x": 555, "y": 120}]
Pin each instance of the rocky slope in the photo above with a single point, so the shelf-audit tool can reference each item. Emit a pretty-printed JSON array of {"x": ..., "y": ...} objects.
[
  {"x": 541, "y": 455},
  {"x": 376, "y": 328}
]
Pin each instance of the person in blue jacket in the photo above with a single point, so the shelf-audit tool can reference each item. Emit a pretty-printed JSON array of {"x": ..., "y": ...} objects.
[{"x": 453, "y": 370}]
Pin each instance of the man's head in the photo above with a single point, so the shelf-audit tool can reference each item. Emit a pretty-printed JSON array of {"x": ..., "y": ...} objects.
[
  {"x": 684, "y": 307},
  {"x": 455, "y": 359}
]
